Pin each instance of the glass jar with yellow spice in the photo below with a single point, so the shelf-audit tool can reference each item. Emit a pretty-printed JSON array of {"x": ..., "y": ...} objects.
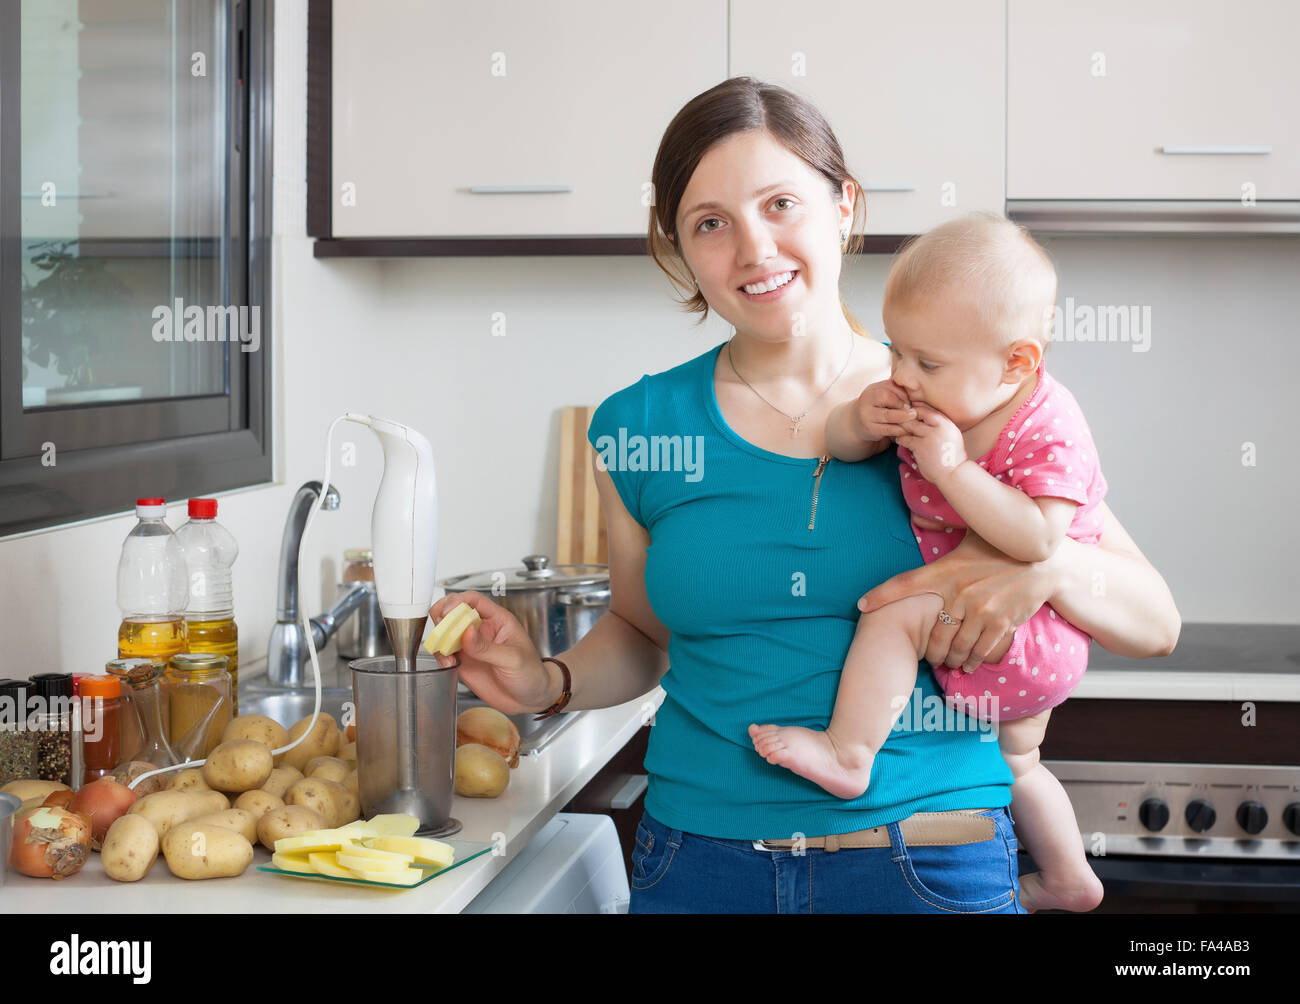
[{"x": 199, "y": 699}]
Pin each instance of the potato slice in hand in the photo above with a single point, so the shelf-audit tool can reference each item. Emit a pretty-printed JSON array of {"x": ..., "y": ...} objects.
[{"x": 445, "y": 637}]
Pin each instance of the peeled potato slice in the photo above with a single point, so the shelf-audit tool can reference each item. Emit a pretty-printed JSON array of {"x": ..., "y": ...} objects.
[
  {"x": 444, "y": 639},
  {"x": 361, "y": 863},
  {"x": 424, "y": 850},
  {"x": 326, "y": 864},
  {"x": 408, "y": 877},
  {"x": 292, "y": 863}
]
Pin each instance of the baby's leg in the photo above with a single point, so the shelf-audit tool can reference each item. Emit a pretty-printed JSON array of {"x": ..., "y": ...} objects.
[
  {"x": 1046, "y": 825},
  {"x": 875, "y": 685}
]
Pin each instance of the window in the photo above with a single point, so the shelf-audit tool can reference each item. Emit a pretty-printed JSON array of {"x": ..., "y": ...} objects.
[{"x": 134, "y": 253}]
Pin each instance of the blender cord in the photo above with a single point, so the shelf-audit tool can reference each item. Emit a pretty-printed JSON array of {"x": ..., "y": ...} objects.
[{"x": 306, "y": 623}]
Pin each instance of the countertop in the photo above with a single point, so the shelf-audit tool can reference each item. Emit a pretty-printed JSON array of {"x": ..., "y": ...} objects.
[
  {"x": 1234, "y": 662},
  {"x": 539, "y": 788}
]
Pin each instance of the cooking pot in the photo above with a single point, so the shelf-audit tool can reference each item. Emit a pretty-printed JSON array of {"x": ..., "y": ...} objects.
[{"x": 556, "y": 605}]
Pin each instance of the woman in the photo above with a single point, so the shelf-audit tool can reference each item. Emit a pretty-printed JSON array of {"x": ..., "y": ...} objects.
[{"x": 737, "y": 565}]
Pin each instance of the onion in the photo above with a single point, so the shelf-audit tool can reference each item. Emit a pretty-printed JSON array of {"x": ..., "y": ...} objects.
[
  {"x": 489, "y": 727},
  {"x": 59, "y": 799},
  {"x": 125, "y": 773},
  {"x": 102, "y": 802},
  {"x": 50, "y": 842}
]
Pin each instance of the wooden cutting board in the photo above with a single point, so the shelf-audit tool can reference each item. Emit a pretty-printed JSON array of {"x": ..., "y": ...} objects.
[{"x": 580, "y": 536}]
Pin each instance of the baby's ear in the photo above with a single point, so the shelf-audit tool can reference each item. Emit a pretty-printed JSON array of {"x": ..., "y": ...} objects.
[{"x": 1023, "y": 360}]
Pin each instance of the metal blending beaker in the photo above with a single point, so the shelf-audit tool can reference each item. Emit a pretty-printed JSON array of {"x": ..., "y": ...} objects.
[{"x": 406, "y": 740}]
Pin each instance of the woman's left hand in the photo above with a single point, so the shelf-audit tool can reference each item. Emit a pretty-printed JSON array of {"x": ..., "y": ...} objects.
[{"x": 987, "y": 595}]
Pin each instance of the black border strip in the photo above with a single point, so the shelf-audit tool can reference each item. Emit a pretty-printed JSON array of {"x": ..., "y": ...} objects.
[{"x": 320, "y": 121}]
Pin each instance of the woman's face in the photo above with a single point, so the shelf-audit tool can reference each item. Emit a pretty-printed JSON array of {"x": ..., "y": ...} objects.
[{"x": 754, "y": 211}]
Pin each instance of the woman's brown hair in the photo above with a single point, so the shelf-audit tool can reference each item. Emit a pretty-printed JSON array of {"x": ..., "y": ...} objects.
[{"x": 738, "y": 105}]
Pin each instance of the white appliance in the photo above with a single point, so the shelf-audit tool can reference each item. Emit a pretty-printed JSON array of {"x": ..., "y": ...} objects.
[{"x": 574, "y": 865}]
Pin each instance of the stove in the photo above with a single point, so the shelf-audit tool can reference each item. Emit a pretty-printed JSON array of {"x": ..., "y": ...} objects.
[{"x": 1184, "y": 772}]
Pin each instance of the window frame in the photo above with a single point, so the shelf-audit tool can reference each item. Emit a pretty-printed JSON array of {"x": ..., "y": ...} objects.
[{"x": 106, "y": 455}]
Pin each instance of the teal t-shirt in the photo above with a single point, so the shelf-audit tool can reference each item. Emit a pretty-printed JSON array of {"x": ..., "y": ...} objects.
[{"x": 762, "y": 610}]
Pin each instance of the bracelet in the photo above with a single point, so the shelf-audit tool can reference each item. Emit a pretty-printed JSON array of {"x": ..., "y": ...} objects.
[{"x": 566, "y": 692}]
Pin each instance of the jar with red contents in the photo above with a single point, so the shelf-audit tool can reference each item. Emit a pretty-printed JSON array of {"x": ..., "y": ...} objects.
[{"x": 101, "y": 725}]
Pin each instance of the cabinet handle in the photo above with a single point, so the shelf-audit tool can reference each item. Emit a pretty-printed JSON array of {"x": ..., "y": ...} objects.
[
  {"x": 630, "y": 791},
  {"x": 889, "y": 188},
  {"x": 517, "y": 189},
  {"x": 1215, "y": 150}
]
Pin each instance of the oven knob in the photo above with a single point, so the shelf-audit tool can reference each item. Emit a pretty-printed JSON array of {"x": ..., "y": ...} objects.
[
  {"x": 1252, "y": 817},
  {"x": 1153, "y": 814},
  {"x": 1199, "y": 815},
  {"x": 1291, "y": 817}
]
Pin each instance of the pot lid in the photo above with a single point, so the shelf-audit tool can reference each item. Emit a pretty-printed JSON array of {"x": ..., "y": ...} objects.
[{"x": 536, "y": 572}]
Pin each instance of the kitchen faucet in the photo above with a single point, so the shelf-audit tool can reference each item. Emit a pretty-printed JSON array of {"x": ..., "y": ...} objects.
[{"x": 287, "y": 652}]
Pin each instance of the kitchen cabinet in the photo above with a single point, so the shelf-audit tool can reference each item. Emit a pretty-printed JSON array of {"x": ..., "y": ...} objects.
[
  {"x": 1153, "y": 99},
  {"x": 508, "y": 118},
  {"x": 914, "y": 92}
]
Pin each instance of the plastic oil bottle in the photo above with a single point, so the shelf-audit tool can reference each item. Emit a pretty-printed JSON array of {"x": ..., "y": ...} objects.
[
  {"x": 210, "y": 549},
  {"x": 151, "y": 588}
]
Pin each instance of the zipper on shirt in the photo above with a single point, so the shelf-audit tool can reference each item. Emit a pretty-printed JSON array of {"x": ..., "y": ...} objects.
[{"x": 817, "y": 480}]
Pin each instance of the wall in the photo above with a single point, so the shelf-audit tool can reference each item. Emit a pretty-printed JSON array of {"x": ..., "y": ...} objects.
[{"x": 411, "y": 340}]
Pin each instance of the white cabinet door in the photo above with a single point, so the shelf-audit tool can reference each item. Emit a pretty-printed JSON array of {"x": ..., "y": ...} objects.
[
  {"x": 551, "y": 111},
  {"x": 914, "y": 91},
  {"x": 1153, "y": 99}
]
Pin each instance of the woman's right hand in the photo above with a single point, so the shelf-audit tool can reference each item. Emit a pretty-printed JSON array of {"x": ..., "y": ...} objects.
[{"x": 498, "y": 660}]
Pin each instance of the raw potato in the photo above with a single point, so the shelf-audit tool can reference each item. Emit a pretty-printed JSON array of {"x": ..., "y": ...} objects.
[
  {"x": 258, "y": 802},
  {"x": 130, "y": 848},
  {"x": 489, "y": 727},
  {"x": 26, "y": 790},
  {"x": 323, "y": 741},
  {"x": 166, "y": 809},
  {"x": 480, "y": 772},
  {"x": 353, "y": 783},
  {"x": 195, "y": 851},
  {"x": 288, "y": 821},
  {"x": 239, "y": 820},
  {"x": 278, "y": 783},
  {"x": 190, "y": 779},
  {"x": 266, "y": 731},
  {"x": 333, "y": 800},
  {"x": 328, "y": 768},
  {"x": 348, "y": 752},
  {"x": 238, "y": 765}
]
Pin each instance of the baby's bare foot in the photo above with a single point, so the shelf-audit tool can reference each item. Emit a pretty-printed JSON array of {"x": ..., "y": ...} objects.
[
  {"x": 1078, "y": 895},
  {"x": 814, "y": 755}
]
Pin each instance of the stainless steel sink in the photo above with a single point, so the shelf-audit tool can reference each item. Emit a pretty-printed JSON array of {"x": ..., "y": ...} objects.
[{"x": 286, "y": 706}]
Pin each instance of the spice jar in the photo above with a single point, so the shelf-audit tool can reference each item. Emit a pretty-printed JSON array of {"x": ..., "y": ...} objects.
[
  {"x": 17, "y": 741},
  {"x": 101, "y": 725},
  {"x": 358, "y": 565},
  {"x": 58, "y": 729},
  {"x": 199, "y": 693},
  {"x": 143, "y": 735}
]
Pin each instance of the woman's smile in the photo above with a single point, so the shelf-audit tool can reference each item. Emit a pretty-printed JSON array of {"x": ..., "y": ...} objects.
[{"x": 785, "y": 281}]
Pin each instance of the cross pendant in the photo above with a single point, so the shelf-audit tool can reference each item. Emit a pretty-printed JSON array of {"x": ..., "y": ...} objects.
[{"x": 794, "y": 429}]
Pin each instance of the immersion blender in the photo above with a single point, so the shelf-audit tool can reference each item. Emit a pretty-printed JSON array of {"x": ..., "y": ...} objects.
[{"x": 404, "y": 539}]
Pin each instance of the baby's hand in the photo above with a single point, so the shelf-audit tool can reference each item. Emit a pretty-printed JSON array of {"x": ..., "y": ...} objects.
[
  {"x": 882, "y": 410},
  {"x": 935, "y": 442}
]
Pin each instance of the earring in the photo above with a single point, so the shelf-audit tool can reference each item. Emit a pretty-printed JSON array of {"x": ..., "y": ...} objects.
[{"x": 844, "y": 235}]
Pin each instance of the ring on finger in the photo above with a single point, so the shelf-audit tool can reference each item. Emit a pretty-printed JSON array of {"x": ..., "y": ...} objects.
[{"x": 947, "y": 618}]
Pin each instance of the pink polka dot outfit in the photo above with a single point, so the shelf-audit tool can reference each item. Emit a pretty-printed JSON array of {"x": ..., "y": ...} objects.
[{"x": 1046, "y": 449}]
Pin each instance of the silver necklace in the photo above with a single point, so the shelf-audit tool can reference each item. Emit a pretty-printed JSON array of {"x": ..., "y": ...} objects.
[{"x": 796, "y": 419}]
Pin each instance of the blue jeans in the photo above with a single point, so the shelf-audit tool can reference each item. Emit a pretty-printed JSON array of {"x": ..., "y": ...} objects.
[{"x": 677, "y": 872}]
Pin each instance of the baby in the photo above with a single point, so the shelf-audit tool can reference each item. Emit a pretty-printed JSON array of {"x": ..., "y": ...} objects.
[{"x": 1000, "y": 447}]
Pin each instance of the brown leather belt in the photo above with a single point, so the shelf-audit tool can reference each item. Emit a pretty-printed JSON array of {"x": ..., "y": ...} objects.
[{"x": 956, "y": 826}]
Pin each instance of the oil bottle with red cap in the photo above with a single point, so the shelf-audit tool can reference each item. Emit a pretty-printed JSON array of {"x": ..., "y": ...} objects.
[{"x": 210, "y": 551}]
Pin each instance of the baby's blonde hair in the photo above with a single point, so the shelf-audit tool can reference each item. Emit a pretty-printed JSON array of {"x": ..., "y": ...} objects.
[{"x": 1012, "y": 278}]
